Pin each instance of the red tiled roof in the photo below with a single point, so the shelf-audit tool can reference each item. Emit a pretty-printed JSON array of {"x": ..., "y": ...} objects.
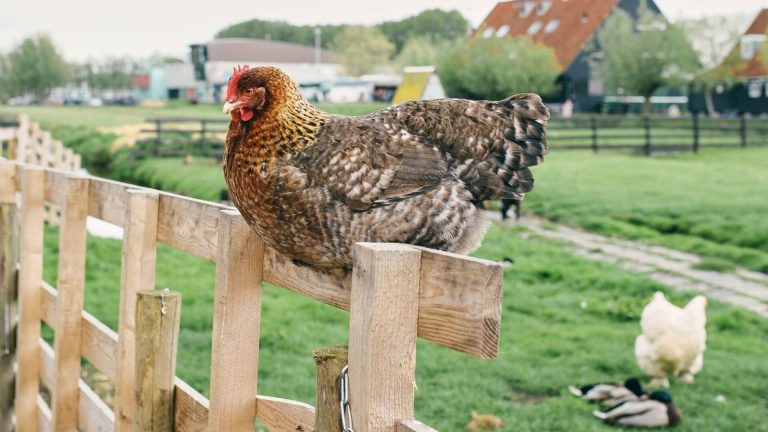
[
  {"x": 760, "y": 24},
  {"x": 753, "y": 69},
  {"x": 578, "y": 21}
]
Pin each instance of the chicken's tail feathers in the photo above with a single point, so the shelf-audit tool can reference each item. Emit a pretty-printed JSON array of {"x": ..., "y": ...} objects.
[
  {"x": 575, "y": 391},
  {"x": 525, "y": 138}
]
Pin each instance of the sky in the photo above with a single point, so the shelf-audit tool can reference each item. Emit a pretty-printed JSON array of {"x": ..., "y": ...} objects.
[{"x": 94, "y": 29}]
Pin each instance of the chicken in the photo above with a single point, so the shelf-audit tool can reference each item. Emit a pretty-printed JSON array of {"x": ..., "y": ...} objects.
[
  {"x": 673, "y": 339},
  {"x": 312, "y": 184}
]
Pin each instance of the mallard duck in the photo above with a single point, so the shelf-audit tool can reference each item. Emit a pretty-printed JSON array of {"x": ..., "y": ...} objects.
[
  {"x": 610, "y": 393},
  {"x": 657, "y": 410}
]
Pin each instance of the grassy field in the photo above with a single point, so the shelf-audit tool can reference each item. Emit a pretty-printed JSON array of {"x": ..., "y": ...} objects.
[
  {"x": 713, "y": 204},
  {"x": 565, "y": 320},
  {"x": 109, "y": 116}
]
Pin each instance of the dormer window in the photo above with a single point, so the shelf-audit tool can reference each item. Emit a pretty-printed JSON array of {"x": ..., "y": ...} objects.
[
  {"x": 551, "y": 26},
  {"x": 503, "y": 30},
  {"x": 525, "y": 8},
  {"x": 488, "y": 32},
  {"x": 534, "y": 28},
  {"x": 543, "y": 7},
  {"x": 750, "y": 44}
]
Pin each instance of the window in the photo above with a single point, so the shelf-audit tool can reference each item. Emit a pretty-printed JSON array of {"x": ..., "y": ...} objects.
[
  {"x": 551, "y": 26},
  {"x": 488, "y": 32},
  {"x": 543, "y": 7},
  {"x": 534, "y": 28},
  {"x": 525, "y": 8},
  {"x": 503, "y": 30},
  {"x": 750, "y": 44},
  {"x": 755, "y": 89}
]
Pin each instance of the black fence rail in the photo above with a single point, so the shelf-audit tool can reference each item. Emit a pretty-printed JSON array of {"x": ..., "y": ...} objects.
[
  {"x": 174, "y": 137},
  {"x": 649, "y": 135},
  {"x": 182, "y": 136}
]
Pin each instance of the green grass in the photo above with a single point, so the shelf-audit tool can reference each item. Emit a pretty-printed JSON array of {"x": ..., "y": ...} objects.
[
  {"x": 110, "y": 116},
  {"x": 203, "y": 178},
  {"x": 547, "y": 340},
  {"x": 713, "y": 204}
]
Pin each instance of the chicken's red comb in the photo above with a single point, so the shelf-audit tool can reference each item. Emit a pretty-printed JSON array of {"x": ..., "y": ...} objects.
[{"x": 237, "y": 71}]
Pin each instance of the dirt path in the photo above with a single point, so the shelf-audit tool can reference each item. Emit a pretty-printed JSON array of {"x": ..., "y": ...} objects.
[{"x": 742, "y": 288}]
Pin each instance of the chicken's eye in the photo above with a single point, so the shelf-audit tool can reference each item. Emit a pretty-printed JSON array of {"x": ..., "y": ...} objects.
[{"x": 249, "y": 91}]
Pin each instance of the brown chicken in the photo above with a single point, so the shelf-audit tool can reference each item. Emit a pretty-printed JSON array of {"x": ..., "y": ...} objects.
[{"x": 312, "y": 183}]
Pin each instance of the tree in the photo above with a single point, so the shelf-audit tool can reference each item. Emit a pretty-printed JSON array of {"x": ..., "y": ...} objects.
[
  {"x": 435, "y": 24},
  {"x": 5, "y": 89},
  {"x": 495, "y": 68},
  {"x": 35, "y": 66},
  {"x": 282, "y": 31},
  {"x": 643, "y": 58},
  {"x": 420, "y": 51},
  {"x": 362, "y": 49},
  {"x": 713, "y": 39}
]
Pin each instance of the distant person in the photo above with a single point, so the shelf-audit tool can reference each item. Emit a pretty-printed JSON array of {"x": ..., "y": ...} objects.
[
  {"x": 506, "y": 203},
  {"x": 567, "y": 110}
]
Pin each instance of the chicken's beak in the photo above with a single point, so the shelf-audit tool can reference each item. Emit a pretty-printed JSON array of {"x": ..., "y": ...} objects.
[{"x": 230, "y": 105}]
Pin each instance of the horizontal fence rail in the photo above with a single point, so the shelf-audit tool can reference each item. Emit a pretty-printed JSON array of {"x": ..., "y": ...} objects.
[
  {"x": 452, "y": 300},
  {"x": 655, "y": 134}
]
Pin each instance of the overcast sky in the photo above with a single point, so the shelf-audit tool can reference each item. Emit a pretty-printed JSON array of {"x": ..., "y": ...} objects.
[{"x": 97, "y": 28}]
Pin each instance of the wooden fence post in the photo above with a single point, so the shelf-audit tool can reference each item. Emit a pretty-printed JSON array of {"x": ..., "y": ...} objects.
[
  {"x": 22, "y": 138},
  {"x": 137, "y": 273},
  {"x": 330, "y": 361},
  {"x": 593, "y": 124},
  {"x": 647, "y": 127},
  {"x": 8, "y": 308},
  {"x": 743, "y": 130},
  {"x": 71, "y": 289},
  {"x": 696, "y": 132},
  {"x": 157, "y": 334},
  {"x": 30, "y": 313},
  {"x": 382, "y": 334},
  {"x": 236, "y": 326},
  {"x": 158, "y": 138}
]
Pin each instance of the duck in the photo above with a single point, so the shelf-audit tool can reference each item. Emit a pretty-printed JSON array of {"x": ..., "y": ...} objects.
[
  {"x": 610, "y": 393},
  {"x": 657, "y": 410}
]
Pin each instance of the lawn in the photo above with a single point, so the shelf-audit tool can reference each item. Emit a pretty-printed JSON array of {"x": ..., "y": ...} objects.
[
  {"x": 714, "y": 203},
  {"x": 565, "y": 320}
]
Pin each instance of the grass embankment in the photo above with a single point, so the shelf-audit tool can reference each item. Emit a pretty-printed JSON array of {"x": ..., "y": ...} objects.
[
  {"x": 548, "y": 340},
  {"x": 713, "y": 204}
]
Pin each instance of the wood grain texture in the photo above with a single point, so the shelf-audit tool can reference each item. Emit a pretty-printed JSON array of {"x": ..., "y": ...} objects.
[
  {"x": 191, "y": 408},
  {"x": 157, "y": 335},
  {"x": 466, "y": 319},
  {"x": 190, "y": 225},
  {"x": 109, "y": 201},
  {"x": 93, "y": 414},
  {"x": 69, "y": 303},
  {"x": 330, "y": 361},
  {"x": 8, "y": 299},
  {"x": 98, "y": 342},
  {"x": 413, "y": 426},
  {"x": 283, "y": 415},
  {"x": 382, "y": 334},
  {"x": 30, "y": 276},
  {"x": 139, "y": 255},
  {"x": 236, "y": 321}
]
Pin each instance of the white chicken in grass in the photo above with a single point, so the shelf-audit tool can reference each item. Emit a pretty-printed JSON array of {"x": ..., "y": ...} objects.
[{"x": 673, "y": 339}]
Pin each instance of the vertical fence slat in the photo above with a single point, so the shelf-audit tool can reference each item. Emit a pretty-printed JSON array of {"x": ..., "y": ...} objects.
[
  {"x": 236, "y": 321},
  {"x": 593, "y": 125},
  {"x": 71, "y": 289},
  {"x": 330, "y": 361},
  {"x": 8, "y": 307},
  {"x": 696, "y": 132},
  {"x": 22, "y": 138},
  {"x": 137, "y": 273},
  {"x": 743, "y": 130},
  {"x": 30, "y": 313},
  {"x": 157, "y": 334},
  {"x": 382, "y": 338},
  {"x": 647, "y": 128}
]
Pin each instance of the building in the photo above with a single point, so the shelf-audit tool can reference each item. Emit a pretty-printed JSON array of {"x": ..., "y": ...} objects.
[
  {"x": 213, "y": 62},
  {"x": 744, "y": 73},
  {"x": 171, "y": 81},
  {"x": 569, "y": 27}
]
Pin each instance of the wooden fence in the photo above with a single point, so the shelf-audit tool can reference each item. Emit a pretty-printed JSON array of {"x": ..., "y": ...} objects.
[
  {"x": 649, "y": 135},
  {"x": 395, "y": 292},
  {"x": 643, "y": 135},
  {"x": 179, "y": 137}
]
